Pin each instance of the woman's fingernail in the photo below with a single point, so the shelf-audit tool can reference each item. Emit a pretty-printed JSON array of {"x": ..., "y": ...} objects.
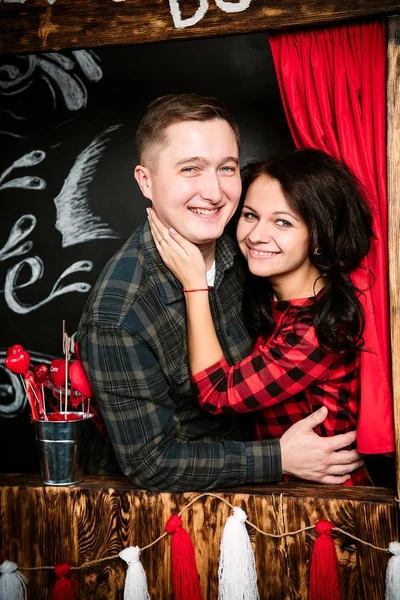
[{"x": 172, "y": 231}]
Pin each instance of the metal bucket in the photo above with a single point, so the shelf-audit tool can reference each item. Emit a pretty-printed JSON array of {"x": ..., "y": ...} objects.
[{"x": 62, "y": 449}]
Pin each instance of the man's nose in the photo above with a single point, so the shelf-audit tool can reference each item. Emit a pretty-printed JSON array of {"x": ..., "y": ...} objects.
[{"x": 211, "y": 188}]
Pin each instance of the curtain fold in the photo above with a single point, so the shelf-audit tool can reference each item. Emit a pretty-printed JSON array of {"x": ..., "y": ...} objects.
[{"x": 333, "y": 87}]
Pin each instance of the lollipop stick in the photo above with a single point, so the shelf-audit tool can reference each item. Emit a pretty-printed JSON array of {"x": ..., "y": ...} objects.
[
  {"x": 44, "y": 404},
  {"x": 66, "y": 350}
]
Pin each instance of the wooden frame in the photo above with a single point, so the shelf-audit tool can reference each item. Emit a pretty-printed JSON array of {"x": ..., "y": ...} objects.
[
  {"x": 117, "y": 510},
  {"x": 35, "y": 25},
  {"x": 45, "y": 25},
  {"x": 393, "y": 172}
]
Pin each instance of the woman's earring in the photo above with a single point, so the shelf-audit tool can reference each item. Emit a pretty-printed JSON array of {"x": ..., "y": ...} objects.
[{"x": 317, "y": 251}]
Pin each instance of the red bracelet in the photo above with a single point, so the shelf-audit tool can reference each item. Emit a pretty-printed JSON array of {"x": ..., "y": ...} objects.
[{"x": 199, "y": 290}]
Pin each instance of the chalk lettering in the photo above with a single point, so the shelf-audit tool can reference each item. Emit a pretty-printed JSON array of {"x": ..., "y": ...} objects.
[
  {"x": 233, "y": 7},
  {"x": 190, "y": 21},
  {"x": 228, "y": 7}
]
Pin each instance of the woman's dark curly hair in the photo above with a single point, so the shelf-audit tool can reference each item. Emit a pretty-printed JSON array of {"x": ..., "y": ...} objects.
[{"x": 330, "y": 200}]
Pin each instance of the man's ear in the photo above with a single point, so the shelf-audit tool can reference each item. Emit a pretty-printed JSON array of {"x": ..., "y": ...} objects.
[{"x": 143, "y": 177}]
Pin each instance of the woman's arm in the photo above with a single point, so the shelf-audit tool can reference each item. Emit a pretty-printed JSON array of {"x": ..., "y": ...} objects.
[
  {"x": 275, "y": 372},
  {"x": 186, "y": 262}
]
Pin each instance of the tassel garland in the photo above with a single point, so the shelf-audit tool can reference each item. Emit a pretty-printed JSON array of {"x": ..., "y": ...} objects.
[
  {"x": 12, "y": 583},
  {"x": 63, "y": 590},
  {"x": 393, "y": 573},
  {"x": 185, "y": 578},
  {"x": 324, "y": 572},
  {"x": 237, "y": 567},
  {"x": 135, "y": 581}
]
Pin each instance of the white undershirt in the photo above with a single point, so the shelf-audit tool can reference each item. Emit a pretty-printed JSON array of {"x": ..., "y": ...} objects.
[{"x": 211, "y": 275}]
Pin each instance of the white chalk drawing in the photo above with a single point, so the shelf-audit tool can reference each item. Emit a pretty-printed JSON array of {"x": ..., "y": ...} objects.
[
  {"x": 36, "y": 268},
  {"x": 56, "y": 69},
  {"x": 75, "y": 220},
  {"x": 86, "y": 61},
  {"x": 21, "y": 229},
  {"x": 28, "y": 182},
  {"x": 10, "y": 115},
  {"x": 13, "y": 400},
  {"x": 227, "y": 7},
  {"x": 66, "y": 76}
]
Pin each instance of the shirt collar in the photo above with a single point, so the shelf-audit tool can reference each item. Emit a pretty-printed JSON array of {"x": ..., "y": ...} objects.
[
  {"x": 168, "y": 285},
  {"x": 283, "y": 305}
]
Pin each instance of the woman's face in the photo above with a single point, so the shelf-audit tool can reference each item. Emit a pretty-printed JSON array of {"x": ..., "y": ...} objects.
[{"x": 272, "y": 237}]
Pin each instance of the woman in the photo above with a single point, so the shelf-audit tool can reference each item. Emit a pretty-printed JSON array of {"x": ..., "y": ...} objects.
[{"x": 303, "y": 227}]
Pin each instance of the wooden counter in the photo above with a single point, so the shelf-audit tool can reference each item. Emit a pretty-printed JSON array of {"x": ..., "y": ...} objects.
[{"x": 42, "y": 525}]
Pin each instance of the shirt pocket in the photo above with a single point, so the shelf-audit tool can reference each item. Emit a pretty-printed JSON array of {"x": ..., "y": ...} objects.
[{"x": 181, "y": 387}]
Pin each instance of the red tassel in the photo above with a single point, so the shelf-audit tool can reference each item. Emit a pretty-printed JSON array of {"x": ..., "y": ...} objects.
[
  {"x": 63, "y": 590},
  {"x": 325, "y": 568},
  {"x": 185, "y": 578}
]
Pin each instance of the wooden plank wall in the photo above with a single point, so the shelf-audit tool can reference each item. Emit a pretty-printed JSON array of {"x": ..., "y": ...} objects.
[{"x": 48, "y": 525}]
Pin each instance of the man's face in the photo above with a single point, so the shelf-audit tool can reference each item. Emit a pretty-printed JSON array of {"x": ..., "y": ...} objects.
[{"x": 195, "y": 185}]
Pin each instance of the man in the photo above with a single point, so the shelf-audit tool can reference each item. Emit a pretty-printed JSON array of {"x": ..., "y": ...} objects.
[{"x": 132, "y": 335}]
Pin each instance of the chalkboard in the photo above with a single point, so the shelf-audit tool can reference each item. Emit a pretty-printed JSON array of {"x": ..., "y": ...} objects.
[{"x": 67, "y": 131}]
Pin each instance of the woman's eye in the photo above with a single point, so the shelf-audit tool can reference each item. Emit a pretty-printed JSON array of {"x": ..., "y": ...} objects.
[
  {"x": 249, "y": 216},
  {"x": 283, "y": 223}
]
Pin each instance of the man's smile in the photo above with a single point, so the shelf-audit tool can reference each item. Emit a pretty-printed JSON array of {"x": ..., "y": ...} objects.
[{"x": 205, "y": 211}]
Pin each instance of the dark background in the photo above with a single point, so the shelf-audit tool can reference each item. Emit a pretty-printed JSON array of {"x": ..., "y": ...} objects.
[{"x": 34, "y": 116}]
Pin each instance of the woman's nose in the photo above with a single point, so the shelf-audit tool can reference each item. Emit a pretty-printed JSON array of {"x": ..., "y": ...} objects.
[{"x": 260, "y": 234}]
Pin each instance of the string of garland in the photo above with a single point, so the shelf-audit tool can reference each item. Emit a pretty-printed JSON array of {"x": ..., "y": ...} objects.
[{"x": 236, "y": 572}]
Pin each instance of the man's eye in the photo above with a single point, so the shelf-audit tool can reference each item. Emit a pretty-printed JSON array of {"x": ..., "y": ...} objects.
[
  {"x": 188, "y": 169},
  {"x": 228, "y": 169}
]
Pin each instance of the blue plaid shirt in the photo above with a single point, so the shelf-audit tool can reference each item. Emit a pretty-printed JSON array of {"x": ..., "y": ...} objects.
[{"x": 132, "y": 340}]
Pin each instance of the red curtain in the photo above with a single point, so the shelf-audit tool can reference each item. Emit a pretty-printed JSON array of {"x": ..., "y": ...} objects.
[{"x": 333, "y": 87}]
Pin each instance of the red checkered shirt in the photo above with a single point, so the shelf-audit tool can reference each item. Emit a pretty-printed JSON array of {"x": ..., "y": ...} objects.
[{"x": 287, "y": 377}]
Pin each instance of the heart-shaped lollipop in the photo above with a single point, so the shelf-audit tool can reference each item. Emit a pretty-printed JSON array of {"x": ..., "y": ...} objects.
[
  {"x": 41, "y": 374},
  {"x": 79, "y": 380},
  {"x": 17, "y": 359},
  {"x": 57, "y": 371}
]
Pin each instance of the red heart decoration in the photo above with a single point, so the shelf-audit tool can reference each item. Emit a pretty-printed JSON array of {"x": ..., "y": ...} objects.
[
  {"x": 14, "y": 350},
  {"x": 57, "y": 371},
  {"x": 41, "y": 374},
  {"x": 79, "y": 380},
  {"x": 17, "y": 360}
]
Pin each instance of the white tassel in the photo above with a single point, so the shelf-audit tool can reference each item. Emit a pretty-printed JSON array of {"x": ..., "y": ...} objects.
[
  {"x": 12, "y": 583},
  {"x": 135, "y": 582},
  {"x": 393, "y": 573},
  {"x": 237, "y": 567}
]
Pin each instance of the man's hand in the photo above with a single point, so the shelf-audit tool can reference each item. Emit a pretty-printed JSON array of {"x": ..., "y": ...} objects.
[{"x": 309, "y": 456}]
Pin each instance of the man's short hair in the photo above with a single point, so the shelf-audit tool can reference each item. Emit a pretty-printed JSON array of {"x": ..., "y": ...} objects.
[{"x": 175, "y": 108}]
